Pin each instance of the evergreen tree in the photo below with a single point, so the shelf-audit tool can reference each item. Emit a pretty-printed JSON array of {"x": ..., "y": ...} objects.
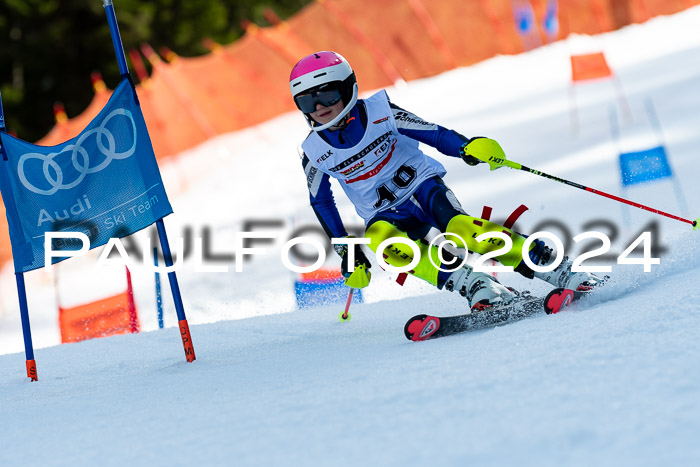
[{"x": 49, "y": 48}]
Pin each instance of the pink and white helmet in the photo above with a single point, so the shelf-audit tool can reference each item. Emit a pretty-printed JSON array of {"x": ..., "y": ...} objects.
[{"x": 324, "y": 70}]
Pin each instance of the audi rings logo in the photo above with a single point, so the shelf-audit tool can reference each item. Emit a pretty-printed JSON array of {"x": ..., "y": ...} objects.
[{"x": 79, "y": 156}]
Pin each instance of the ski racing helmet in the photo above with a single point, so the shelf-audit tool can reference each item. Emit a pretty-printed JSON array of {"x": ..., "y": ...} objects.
[{"x": 325, "y": 78}]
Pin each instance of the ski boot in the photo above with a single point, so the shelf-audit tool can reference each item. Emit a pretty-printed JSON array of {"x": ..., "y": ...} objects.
[
  {"x": 562, "y": 276},
  {"x": 481, "y": 290}
]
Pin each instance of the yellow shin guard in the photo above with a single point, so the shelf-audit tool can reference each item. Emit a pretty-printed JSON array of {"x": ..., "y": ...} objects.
[
  {"x": 468, "y": 228},
  {"x": 399, "y": 254}
]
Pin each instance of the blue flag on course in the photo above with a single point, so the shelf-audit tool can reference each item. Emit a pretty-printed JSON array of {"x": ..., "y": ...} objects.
[
  {"x": 644, "y": 166},
  {"x": 104, "y": 182}
]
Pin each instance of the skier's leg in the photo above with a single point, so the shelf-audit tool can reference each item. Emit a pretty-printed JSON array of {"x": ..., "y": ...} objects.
[
  {"x": 482, "y": 290},
  {"x": 463, "y": 230},
  {"x": 441, "y": 204},
  {"x": 438, "y": 201},
  {"x": 399, "y": 255},
  {"x": 561, "y": 276}
]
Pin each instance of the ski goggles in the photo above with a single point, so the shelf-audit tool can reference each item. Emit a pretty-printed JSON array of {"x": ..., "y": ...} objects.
[{"x": 326, "y": 96}]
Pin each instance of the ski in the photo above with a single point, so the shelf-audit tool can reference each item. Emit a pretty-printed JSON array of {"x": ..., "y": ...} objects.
[
  {"x": 424, "y": 327},
  {"x": 558, "y": 299}
]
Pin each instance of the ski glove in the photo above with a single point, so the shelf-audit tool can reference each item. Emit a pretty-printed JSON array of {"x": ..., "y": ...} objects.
[
  {"x": 486, "y": 150},
  {"x": 361, "y": 276},
  {"x": 471, "y": 160}
]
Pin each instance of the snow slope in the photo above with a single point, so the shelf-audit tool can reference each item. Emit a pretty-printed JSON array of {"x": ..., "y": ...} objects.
[{"x": 611, "y": 381}]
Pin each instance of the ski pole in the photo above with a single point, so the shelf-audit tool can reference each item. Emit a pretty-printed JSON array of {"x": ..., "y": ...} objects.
[
  {"x": 345, "y": 315},
  {"x": 498, "y": 162}
]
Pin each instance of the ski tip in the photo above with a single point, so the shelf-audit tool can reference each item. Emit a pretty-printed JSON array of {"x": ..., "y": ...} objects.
[
  {"x": 696, "y": 224},
  {"x": 557, "y": 299},
  {"x": 421, "y": 327}
]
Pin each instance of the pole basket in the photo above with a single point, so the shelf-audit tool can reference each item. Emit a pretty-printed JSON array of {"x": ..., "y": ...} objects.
[{"x": 186, "y": 340}]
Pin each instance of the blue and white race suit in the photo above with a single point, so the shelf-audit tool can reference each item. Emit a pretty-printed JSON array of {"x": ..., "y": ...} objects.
[{"x": 379, "y": 165}]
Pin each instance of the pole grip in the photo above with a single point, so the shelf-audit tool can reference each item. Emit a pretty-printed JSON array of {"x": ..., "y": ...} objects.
[{"x": 489, "y": 151}]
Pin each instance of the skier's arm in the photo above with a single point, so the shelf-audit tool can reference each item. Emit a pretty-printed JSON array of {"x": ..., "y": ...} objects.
[
  {"x": 322, "y": 202},
  {"x": 448, "y": 142}
]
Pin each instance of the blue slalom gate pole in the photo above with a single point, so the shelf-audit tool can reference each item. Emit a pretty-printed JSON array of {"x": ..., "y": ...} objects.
[
  {"x": 116, "y": 37},
  {"x": 159, "y": 295},
  {"x": 179, "y": 308},
  {"x": 26, "y": 328},
  {"x": 175, "y": 288},
  {"x": 21, "y": 290}
]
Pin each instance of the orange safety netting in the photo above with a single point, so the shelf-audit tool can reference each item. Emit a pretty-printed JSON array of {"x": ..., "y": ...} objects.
[
  {"x": 106, "y": 317},
  {"x": 5, "y": 248},
  {"x": 67, "y": 129},
  {"x": 192, "y": 99},
  {"x": 171, "y": 124},
  {"x": 100, "y": 318},
  {"x": 235, "y": 86}
]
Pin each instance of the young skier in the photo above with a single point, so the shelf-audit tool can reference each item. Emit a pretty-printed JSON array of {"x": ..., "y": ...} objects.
[{"x": 371, "y": 147}]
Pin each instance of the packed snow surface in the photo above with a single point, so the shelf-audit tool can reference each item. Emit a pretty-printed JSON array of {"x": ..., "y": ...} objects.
[{"x": 613, "y": 380}]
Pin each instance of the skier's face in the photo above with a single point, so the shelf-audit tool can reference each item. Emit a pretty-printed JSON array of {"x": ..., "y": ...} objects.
[{"x": 323, "y": 115}]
